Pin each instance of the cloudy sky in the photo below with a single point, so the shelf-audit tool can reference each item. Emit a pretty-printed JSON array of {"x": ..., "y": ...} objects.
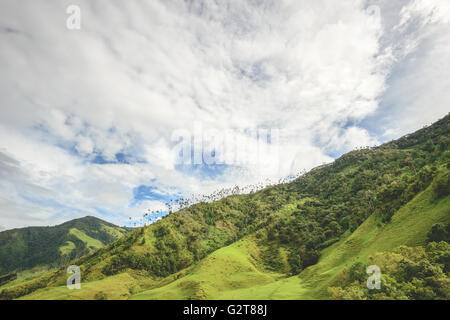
[{"x": 90, "y": 118}]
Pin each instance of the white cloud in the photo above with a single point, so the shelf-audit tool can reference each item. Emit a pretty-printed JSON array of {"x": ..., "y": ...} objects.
[
  {"x": 417, "y": 94},
  {"x": 137, "y": 71}
]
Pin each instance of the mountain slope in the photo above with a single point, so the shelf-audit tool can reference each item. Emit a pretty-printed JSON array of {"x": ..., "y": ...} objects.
[
  {"x": 236, "y": 271},
  {"x": 292, "y": 240},
  {"x": 416, "y": 217},
  {"x": 25, "y": 248}
]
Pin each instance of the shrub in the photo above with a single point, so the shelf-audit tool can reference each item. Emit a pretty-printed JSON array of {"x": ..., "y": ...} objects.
[
  {"x": 439, "y": 232},
  {"x": 441, "y": 186}
]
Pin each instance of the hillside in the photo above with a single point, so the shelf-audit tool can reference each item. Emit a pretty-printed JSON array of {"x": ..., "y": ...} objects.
[
  {"x": 31, "y": 247},
  {"x": 299, "y": 240}
]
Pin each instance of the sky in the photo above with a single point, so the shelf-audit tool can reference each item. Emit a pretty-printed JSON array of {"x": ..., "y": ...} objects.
[{"x": 149, "y": 101}]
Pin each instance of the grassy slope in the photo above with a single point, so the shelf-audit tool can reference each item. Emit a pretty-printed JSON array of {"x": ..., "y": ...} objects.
[
  {"x": 90, "y": 242},
  {"x": 118, "y": 287},
  {"x": 67, "y": 248},
  {"x": 408, "y": 227},
  {"x": 244, "y": 281},
  {"x": 226, "y": 270},
  {"x": 236, "y": 272},
  {"x": 27, "y": 275}
]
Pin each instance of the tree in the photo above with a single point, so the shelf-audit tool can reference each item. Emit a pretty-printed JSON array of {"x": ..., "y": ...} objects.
[
  {"x": 441, "y": 186},
  {"x": 439, "y": 232}
]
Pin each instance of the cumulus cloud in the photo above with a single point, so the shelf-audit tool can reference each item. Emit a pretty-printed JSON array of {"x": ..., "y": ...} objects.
[{"x": 88, "y": 116}]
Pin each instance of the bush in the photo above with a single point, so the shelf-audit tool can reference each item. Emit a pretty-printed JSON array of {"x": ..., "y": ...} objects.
[
  {"x": 441, "y": 186},
  {"x": 439, "y": 232},
  {"x": 295, "y": 262},
  {"x": 357, "y": 272},
  {"x": 101, "y": 296}
]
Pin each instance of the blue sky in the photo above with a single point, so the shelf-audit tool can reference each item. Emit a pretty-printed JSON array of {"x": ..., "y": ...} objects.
[{"x": 92, "y": 120}]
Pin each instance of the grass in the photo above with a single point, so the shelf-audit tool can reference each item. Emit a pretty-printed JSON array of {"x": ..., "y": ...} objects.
[
  {"x": 90, "y": 242},
  {"x": 118, "y": 287},
  {"x": 115, "y": 232},
  {"x": 224, "y": 271},
  {"x": 67, "y": 247},
  {"x": 236, "y": 271},
  {"x": 232, "y": 272},
  {"x": 27, "y": 275}
]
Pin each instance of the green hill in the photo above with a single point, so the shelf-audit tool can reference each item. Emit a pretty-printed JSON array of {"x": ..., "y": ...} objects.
[
  {"x": 308, "y": 239},
  {"x": 33, "y": 247}
]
